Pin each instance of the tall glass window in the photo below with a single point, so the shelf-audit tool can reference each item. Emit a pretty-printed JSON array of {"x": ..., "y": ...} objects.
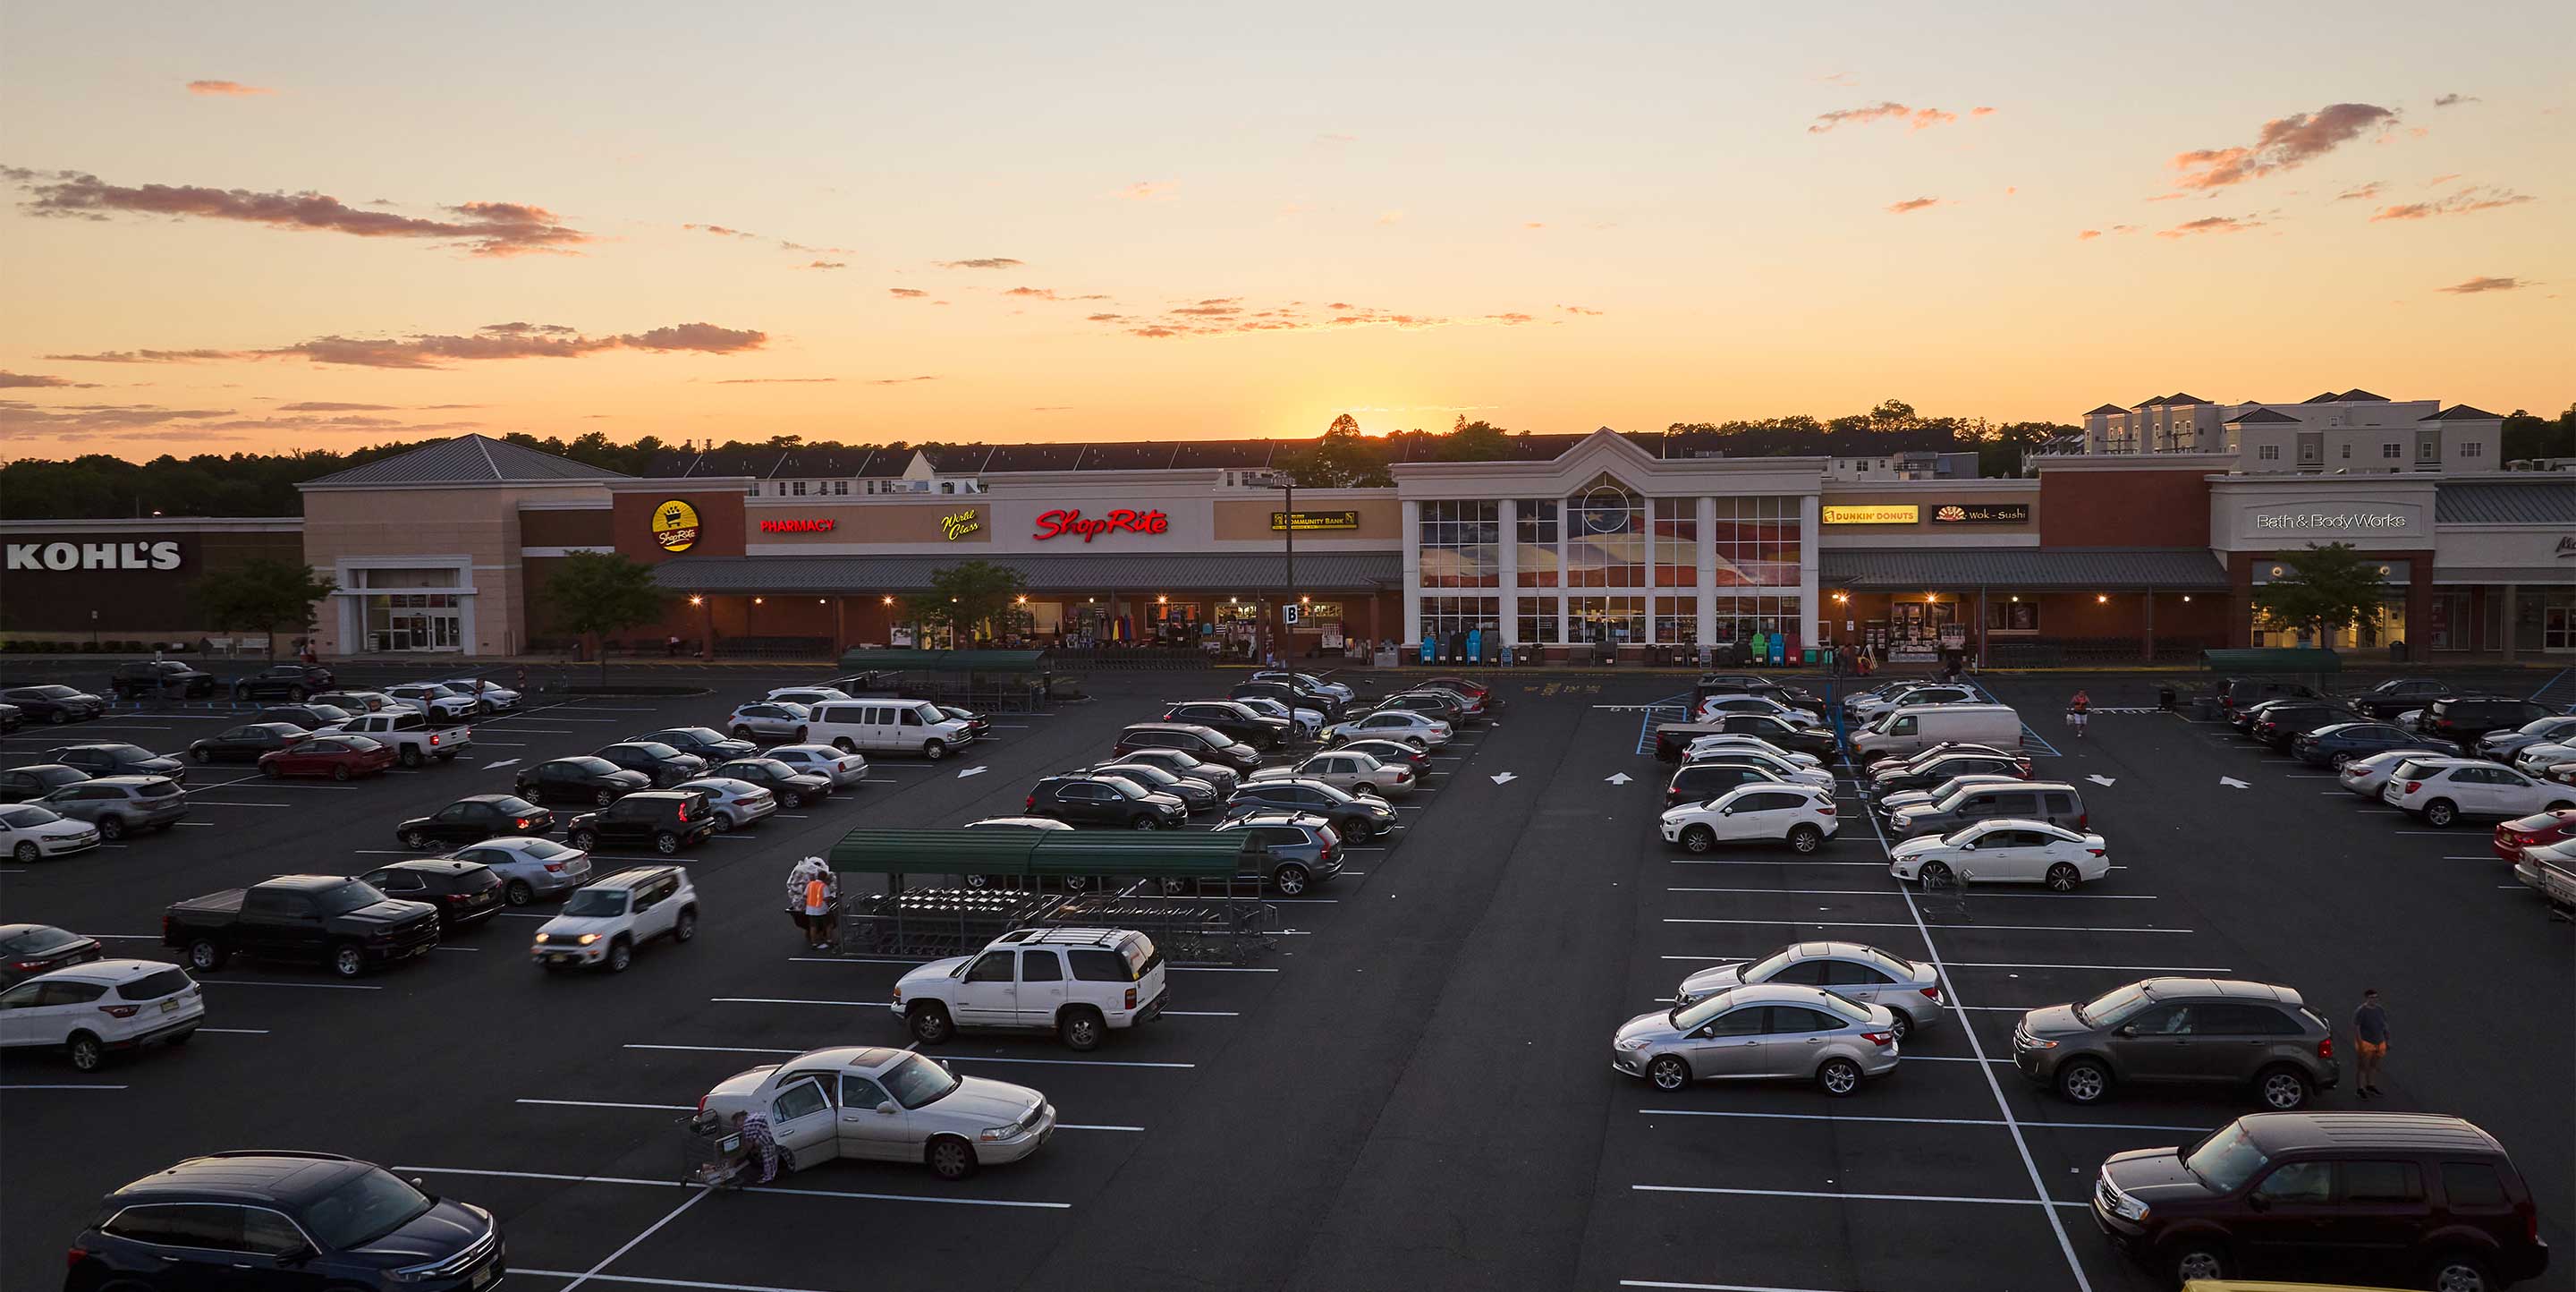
[
  {"x": 1460, "y": 544},
  {"x": 1756, "y": 543},
  {"x": 1605, "y": 540},
  {"x": 1607, "y": 621},
  {"x": 1538, "y": 620},
  {"x": 1536, "y": 537},
  {"x": 1447, "y": 617},
  {"x": 1676, "y": 536},
  {"x": 1677, "y": 620},
  {"x": 1740, "y": 619}
]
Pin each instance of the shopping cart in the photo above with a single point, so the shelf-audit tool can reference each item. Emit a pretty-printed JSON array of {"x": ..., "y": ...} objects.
[{"x": 712, "y": 1153}]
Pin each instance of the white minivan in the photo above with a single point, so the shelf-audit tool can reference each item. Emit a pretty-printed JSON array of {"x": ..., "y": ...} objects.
[
  {"x": 886, "y": 726},
  {"x": 1911, "y": 730}
]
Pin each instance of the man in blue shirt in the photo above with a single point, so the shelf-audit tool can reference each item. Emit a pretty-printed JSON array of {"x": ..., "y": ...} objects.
[{"x": 2370, "y": 1032}]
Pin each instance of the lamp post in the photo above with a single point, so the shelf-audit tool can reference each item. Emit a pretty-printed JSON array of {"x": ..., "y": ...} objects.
[{"x": 1288, "y": 541}]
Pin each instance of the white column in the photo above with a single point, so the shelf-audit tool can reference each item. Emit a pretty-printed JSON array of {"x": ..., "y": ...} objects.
[
  {"x": 1412, "y": 580},
  {"x": 1707, "y": 570},
  {"x": 1507, "y": 514},
  {"x": 1810, "y": 519}
]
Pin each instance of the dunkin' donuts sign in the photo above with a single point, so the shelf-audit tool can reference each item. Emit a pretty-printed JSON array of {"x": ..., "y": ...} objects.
[{"x": 1061, "y": 523}]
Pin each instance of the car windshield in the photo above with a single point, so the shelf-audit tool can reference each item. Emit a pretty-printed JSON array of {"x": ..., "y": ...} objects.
[
  {"x": 51, "y": 692},
  {"x": 360, "y": 743},
  {"x": 703, "y": 735},
  {"x": 346, "y": 898},
  {"x": 915, "y": 1081},
  {"x": 1762, "y": 969},
  {"x": 756, "y": 766},
  {"x": 591, "y": 766},
  {"x": 329, "y": 712},
  {"x": 368, "y": 1207},
  {"x": 542, "y": 849},
  {"x": 930, "y": 713},
  {"x": 1125, "y": 787},
  {"x": 2111, "y": 1006},
  {"x": 124, "y": 752},
  {"x": 596, "y": 902},
  {"x": 27, "y": 818},
  {"x": 2225, "y": 1160},
  {"x": 40, "y": 938},
  {"x": 1148, "y": 774},
  {"x": 652, "y": 749},
  {"x": 1687, "y": 1018}
]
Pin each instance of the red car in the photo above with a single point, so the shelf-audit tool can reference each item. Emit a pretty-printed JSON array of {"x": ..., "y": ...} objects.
[
  {"x": 329, "y": 753},
  {"x": 2511, "y": 837}
]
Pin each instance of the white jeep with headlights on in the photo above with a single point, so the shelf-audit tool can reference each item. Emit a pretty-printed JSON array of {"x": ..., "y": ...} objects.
[
  {"x": 1077, "y": 983},
  {"x": 604, "y": 923}
]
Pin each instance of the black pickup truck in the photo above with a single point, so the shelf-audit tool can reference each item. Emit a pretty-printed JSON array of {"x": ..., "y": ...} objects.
[{"x": 327, "y": 919}]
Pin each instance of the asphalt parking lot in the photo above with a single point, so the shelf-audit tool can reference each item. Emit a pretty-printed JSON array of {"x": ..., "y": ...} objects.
[{"x": 1411, "y": 1091}]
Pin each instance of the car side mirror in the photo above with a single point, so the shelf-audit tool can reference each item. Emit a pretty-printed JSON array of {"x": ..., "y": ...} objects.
[
  {"x": 417, "y": 1183},
  {"x": 2258, "y": 1202},
  {"x": 887, "y": 1109},
  {"x": 2128, "y": 1029}
]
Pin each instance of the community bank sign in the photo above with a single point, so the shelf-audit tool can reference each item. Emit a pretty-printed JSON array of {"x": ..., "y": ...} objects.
[{"x": 158, "y": 555}]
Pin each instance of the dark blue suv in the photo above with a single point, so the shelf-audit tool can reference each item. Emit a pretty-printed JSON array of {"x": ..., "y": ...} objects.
[{"x": 284, "y": 1220}]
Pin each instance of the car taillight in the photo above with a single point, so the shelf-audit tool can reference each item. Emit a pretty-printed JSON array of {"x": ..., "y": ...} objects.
[
  {"x": 554, "y": 867},
  {"x": 2083, "y": 820},
  {"x": 1932, "y": 993},
  {"x": 2412, "y": 786},
  {"x": 2097, "y": 852},
  {"x": 523, "y": 823},
  {"x": 684, "y": 811},
  {"x": 1131, "y": 998},
  {"x": 1824, "y": 809},
  {"x": 74, "y": 1256},
  {"x": 1029, "y": 804},
  {"x": 433, "y": 742},
  {"x": 2325, "y": 1047},
  {"x": 1878, "y": 1038},
  {"x": 119, "y": 1011},
  {"x": 169, "y": 926}
]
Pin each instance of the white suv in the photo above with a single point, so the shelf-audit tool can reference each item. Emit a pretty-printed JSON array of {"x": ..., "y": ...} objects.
[
  {"x": 2442, "y": 790},
  {"x": 604, "y": 923},
  {"x": 1076, "y": 983},
  {"x": 1800, "y": 815},
  {"x": 88, "y": 1010}
]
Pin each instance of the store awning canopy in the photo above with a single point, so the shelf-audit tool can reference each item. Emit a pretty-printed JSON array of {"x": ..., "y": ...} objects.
[
  {"x": 1249, "y": 574},
  {"x": 2022, "y": 569},
  {"x": 2250, "y": 661},
  {"x": 1033, "y": 854},
  {"x": 944, "y": 661}
]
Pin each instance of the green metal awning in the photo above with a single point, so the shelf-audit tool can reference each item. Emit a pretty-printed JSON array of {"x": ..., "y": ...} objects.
[
  {"x": 945, "y": 661},
  {"x": 2272, "y": 659},
  {"x": 1038, "y": 853}
]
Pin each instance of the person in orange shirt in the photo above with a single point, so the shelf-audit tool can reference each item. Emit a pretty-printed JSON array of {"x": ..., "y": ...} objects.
[{"x": 818, "y": 911}]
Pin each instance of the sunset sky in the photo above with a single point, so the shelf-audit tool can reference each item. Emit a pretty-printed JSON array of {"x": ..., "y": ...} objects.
[{"x": 259, "y": 227}]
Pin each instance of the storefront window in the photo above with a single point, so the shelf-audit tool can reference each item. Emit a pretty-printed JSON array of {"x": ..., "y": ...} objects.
[
  {"x": 2390, "y": 628},
  {"x": 1677, "y": 620},
  {"x": 1460, "y": 544},
  {"x": 1676, "y": 545},
  {"x": 1538, "y": 621},
  {"x": 2449, "y": 626},
  {"x": 1536, "y": 537},
  {"x": 1756, "y": 542},
  {"x": 1605, "y": 541},
  {"x": 1740, "y": 619},
  {"x": 1445, "y": 618},
  {"x": 2006, "y": 615},
  {"x": 1607, "y": 620}
]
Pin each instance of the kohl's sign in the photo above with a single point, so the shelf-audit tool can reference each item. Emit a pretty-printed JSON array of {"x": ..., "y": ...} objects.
[{"x": 156, "y": 555}]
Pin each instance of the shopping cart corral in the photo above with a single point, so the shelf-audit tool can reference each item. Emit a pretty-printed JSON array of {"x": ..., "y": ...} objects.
[{"x": 1125, "y": 880}]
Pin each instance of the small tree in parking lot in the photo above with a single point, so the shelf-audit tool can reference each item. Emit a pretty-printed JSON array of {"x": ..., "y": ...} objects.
[
  {"x": 973, "y": 594},
  {"x": 2322, "y": 589},
  {"x": 593, "y": 594},
  {"x": 265, "y": 593}
]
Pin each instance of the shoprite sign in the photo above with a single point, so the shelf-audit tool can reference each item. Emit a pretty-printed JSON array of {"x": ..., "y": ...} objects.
[
  {"x": 675, "y": 526},
  {"x": 1060, "y": 523},
  {"x": 1281, "y": 521}
]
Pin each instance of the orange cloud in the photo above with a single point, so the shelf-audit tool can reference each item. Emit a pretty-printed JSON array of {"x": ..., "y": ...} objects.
[
  {"x": 2477, "y": 285},
  {"x": 23, "y": 380},
  {"x": 487, "y": 228},
  {"x": 2473, "y": 198},
  {"x": 1916, "y": 118},
  {"x": 2210, "y": 224},
  {"x": 2087, "y": 235},
  {"x": 1148, "y": 191},
  {"x": 981, "y": 262},
  {"x": 2284, "y": 143},
  {"x": 1229, "y": 315},
  {"x": 1911, "y": 204},
  {"x": 234, "y": 89},
  {"x": 497, "y": 341},
  {"x": 828, "y": 264},
  {"x": 906, "y": 293},
  {"x": 2360, "y": 192}
]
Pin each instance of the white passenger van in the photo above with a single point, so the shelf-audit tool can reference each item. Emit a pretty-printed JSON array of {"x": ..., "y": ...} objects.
[
  {"x": 1901, "y": 732},
  {"x": 886, "y": 726}
]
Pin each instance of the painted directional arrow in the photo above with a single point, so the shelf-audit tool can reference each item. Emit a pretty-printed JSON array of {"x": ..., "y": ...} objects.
[
  {"x": 964, "y": 772},
  {"x": 506, "y": 762},
  {"x": 1618, "y": 778},
  {"x": 1504, "y": 778},
  {"x": 2233, "y": 783},
  {"x": 2099, "y": 779}
]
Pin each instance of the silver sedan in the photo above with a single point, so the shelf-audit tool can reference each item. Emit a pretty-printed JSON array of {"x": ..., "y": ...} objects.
[
  {"x": 530, "y": 868},
  {"x": 1909, "y": 988},
  {"x": 769, "y": 720},
  {"x": 840, "y": 768},
  {"x": 1749, "y": 1033},
  {"x": 1346, "y": 770},
  {"x": 873, "y": 1102}
]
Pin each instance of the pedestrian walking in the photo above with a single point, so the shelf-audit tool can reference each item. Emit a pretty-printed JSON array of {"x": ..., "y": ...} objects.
[
  {"x": 2370, "y": 1042},
  {"x": 2078, "y": 712}
]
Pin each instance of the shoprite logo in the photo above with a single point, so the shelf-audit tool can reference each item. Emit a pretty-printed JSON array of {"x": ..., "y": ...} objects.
[
  {"x": 1057, "y": 524},
  {"x": 675, "y": 526},
  {"x": 958, "y": 524}
]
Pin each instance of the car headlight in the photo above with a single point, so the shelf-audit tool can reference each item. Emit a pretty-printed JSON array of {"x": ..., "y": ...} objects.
[
  {"x": 585, "y": 939},
  {"x": 2039, "y": 1043},
  {"x": 1632, "y": 1043},
  {"x": 992, "y": 1133}
]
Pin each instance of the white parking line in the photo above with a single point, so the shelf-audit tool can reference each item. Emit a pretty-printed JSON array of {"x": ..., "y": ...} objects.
[
  {"x": 649, "y": 1230},
  {"x": 1913, "y": 1121},
  {"x": 1852, "y": 1197},
  {"x": 756, "y": 1188},
  {"x": 1892, "y": 892},
  {"x": 1690, "y": 1287},
  {"x": 957, "y": 1058},
  {"x": 659, "y": 1283},
  {"x": 1996, "y": 928},
  {"x": 228, "y": 803},
  {"x": 1783, "y": 861},
  {"x": 236, "y": 1031},
  {"x": 1228, "y": 1013},
  {"x": 257, "y": 982},
  {"x": 41, "y": 1086},
  {"x": 601, "y": 1103}
]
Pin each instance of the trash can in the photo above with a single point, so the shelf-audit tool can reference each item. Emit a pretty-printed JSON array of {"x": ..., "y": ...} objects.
[
  {"x": 2164, "y": 697},
  {"x": 2397, "y": 652}
]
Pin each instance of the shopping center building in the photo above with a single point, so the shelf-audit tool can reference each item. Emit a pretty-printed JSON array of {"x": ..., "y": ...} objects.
[{"x": 1577, "y": 547}]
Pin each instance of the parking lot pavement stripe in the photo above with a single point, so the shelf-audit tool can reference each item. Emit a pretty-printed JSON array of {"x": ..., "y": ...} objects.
[
  {"x": 1690, "y": 1287},
  {"x": 124, "y": 937},
  {"x": 1755, "y": 861},
  {"x": 1982, "y": 928},
  {"x": 1078, "y": 1126},
  {"x": 1910, "y": 1121},
  {"x": 194, "y": 823},
  {"x": 229, "y": 803},
  {"x": 236, "y": 1031},
  {"x": 756, "y": 1188},
  {"x": 1892, "y": 892},
  {"x": 2012, "y": 964},
  {"x": 268, "y": 982},
  {"x": 642, "y": 1281},
  {"x": 601, "y": 1103},
  {"x": 1847, "y": 1197},
  {"x": 955, "y": 1058},
  {"x": 1229, "y": 1013},
  {"x": 649, "y": 1230},
  {"x": 66, "y": 1086},
  {"x": 790, "y": 1000}
]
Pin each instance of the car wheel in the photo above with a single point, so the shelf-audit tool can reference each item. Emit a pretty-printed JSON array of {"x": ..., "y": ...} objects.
[
  {"x": 58, "y": 718},
  {"x": 1699, "y": 838},
  {"x": 269, "y": 770},
  {"x": 1077, "y": 883},
  {"x": 1903, "y": 1027},
  {"x": 666, "y": 843},
  {"x": 111, "y": 827},
  {"x": 519, "y": 894},
  {"x": 1668, "y": 1073},
  {"x": 1290, "y": 880},
  {"x": 603, "y": 798},
  {"x": 2063, "y": 877},
  {"x": 2440, "y": 813},
  {"x": 2336, "y": 761},
  {"x": 951, "y": 1158},
  {"x": 1806, "y": 838},
  {"x": 1080, "y": 1029},
  {"x": 934, "y": 750},
  {"x": 621, "y": 953},
  {"x": 2083, "y": 1082},
  {"x": 686, "y": 928},
  {"x": 201, "y": 755},
  {"x": 2561, "y": 805},
  {"x": 979, "y": 881},
  {"x": 205, "y": 956},
  {"x": 2283, "y": 1089},
  {"x": 790, "y": 799},
  {"x": 2458, "y": 1272},
  {"x": 930, "y": 1023},
  {"x": 26, "y": 852},
  {"x": 411, "y": 756},
  {"x": 340, "y": 773},
  {"x": 295, "y": 694},
  {"x": 724, "y": 821},
  {"x": 1935, "y": 874},
  {"x": 1839, "y": 1077},
  {"x": 414, "y": 839},
  {"x": 1145, "y": 823},
  {"x": 348, "y": 960},
  {"x": 583, "y": 839},
  {"x": 2199, "y": 1259},
  {"x": 741, "y": 732},
  {"x": 85, "y": 1052}
]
